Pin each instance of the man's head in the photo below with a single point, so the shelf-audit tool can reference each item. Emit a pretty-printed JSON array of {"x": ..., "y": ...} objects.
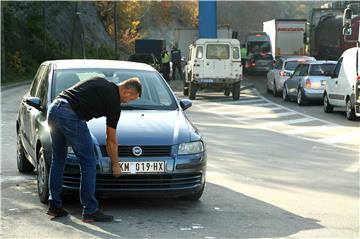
[{"x": 130, "y": 89}]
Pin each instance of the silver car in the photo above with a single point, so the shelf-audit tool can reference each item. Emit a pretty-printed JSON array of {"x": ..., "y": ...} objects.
[
  {"x": 284, "y": 68},
  {"x": 308, "y": 81}
]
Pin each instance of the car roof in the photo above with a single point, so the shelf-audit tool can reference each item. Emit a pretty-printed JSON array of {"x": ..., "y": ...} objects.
[
  {"x": 323, "y": 62},
  {"x": 294, "y": 58},
  {"x": 107, "y": 64}
]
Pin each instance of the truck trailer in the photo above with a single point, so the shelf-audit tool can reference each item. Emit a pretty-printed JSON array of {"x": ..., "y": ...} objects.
[{"x": 286, "y": 36}]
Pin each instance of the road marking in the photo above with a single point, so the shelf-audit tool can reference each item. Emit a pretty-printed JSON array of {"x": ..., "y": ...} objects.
[
  {"x": 310, "y": 129},
  {"x": 340, "y": 138},
  {"x": 285, "y": 122}
]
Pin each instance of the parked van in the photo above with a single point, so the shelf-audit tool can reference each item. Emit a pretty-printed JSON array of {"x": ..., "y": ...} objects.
[
  {"x": 342, "y": 89},
  {"x": 213, "y": 63}
]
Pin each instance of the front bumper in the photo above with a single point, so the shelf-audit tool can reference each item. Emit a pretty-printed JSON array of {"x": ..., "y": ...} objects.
[{"x": 183, "y": 175}]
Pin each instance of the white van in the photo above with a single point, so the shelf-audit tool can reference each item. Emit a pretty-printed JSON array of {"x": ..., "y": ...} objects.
[
  {"x": 213, "y": 63},
  {"x": 342, "y": 90}
]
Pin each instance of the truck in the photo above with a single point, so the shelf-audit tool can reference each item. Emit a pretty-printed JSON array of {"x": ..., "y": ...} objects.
[
  {"x": 326, "y": 41},
  {"x": 186, "y": 36},
  {"x": 150, "y": 46},
  {"x": 286, "y": 36},
  {"x": 213, "y": 64}
]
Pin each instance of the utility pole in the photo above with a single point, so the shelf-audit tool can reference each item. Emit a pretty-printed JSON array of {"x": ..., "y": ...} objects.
[
  {"x": 73, "y": 30},
  {"x": 115, "y": 27}
]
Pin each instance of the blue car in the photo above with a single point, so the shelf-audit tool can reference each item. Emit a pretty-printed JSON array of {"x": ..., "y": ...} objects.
[{"x": 161, "y": 152}]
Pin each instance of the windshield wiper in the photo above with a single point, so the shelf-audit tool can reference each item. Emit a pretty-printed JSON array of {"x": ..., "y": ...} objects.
[{"x": 136, "y": 107}]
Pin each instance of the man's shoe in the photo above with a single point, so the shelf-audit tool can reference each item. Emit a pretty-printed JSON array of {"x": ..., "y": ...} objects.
[
  {"x": 97, "y": 217},
  {"x": 56, "y": 211}
]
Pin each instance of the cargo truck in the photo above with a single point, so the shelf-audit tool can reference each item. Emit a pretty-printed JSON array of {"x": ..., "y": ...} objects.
[
  {"x": 150, "y": 46},
  {"x": 286, "y": 36}
]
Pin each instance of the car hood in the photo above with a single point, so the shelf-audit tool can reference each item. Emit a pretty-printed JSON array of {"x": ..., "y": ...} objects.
[{"x": 147, "y": 127}]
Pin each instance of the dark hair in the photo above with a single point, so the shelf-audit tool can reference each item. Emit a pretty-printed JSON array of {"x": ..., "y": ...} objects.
[{"x": 133, "y": 83}]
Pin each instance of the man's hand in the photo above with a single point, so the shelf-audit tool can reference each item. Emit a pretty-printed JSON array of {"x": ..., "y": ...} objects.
[{"x": 116, "y": 170}]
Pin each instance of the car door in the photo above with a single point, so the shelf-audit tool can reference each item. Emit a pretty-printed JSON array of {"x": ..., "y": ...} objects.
[
  {"x": 292, "y": 82},
  {"x": 217, "y": 61},
  {"x": 25, "y": 111},
  {"x": 37, "y": 116},
  {"x": 304, "y": 72},
  {"x": 273, "y": 72},
  {"x": 332, "y": 86}
]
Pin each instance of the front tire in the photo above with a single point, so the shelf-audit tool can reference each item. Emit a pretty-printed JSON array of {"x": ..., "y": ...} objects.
[
  {"x": 23, "y": 164},
  {"x": 193, "y": 90},
  {"x": 328, "y": 108},
  {"x": 43, "y": 176},
  {"x": 236, "y": 90}
]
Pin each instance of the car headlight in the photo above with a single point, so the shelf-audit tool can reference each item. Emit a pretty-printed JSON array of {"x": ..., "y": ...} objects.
[{"x": 191, "y": 148}]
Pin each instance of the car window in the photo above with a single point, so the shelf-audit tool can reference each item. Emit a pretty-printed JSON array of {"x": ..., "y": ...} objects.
[
  {"x": 304, "y": 70},
  {"x": 42, "y": 88},
  {"x": 217, "y": 51},
  {"x": 199, "y": 52},
  {"x": 338, "y": 67},
  {"x": 298, "y": 70},
  {"x": 155, "y": 93},
  {"x": 278, "y": 64},
  {"x": 321, "y": 69},
  {"x": 291, "y": 65},
  {"x": 236, "y": 53},
  {"x": 36, "y": 80},
  {"x": 263, "y": 57}
]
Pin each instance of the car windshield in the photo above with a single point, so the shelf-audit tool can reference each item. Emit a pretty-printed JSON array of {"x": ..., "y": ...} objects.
[
  {"x": 156, "y": 95},
  {"x": 321, "y": 69}
]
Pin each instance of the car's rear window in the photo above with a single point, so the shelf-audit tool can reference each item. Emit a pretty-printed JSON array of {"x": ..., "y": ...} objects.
[
  {"x": 263, "y": 57},
  {"x": 291, "y": 65},
  {"x": 321, "y": 69},
  {"x": 217, "y": 51}
]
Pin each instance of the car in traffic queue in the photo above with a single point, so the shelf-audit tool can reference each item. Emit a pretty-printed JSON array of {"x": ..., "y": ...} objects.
[
  {"x": 283, "y": 69},
  {"x": 342, "y": 91},
  {"x": 308, "y": 82},
  {"x": 259, "y": 63},
  {"x": 160, "y": 151}
]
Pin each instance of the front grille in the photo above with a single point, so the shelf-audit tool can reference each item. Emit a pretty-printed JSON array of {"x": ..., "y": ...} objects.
[
  {"x": 138, "y": 182},
  {"x": 147, "y": 151}
]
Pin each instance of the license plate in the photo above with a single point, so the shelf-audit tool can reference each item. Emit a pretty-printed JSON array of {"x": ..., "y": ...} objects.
[
  {"x": 323, "y": 82},
  {"x": 206, "y": 81},
  {"x": 143, "y": 167}
]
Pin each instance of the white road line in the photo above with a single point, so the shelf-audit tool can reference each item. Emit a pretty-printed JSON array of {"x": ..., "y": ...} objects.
[
  {"x": 242, "y": 101},
  {"x": 341, "y": 138},
  {"x": 309, "y": 129},
  {"x": 234, "y": 108},
  {"x": 285, "y": 122}
]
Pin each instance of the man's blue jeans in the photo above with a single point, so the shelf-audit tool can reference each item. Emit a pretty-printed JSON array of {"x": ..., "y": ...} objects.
[{"x": 67, "y": 129}]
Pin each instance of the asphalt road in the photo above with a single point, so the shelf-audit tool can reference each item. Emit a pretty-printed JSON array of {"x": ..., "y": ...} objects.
[{"x": 274, "y": 170}]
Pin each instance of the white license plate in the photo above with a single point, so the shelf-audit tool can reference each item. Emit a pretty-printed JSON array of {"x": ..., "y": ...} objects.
[
  {"x": 143, "y": 167},
  {"x": 206, "y": 81}
]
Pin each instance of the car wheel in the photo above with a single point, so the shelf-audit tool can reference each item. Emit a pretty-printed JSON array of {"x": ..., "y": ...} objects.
[
  {"x": 43, "y": 176},
  {"x": 328, "y": 108},
  {"x": 274, "y": 90},
  {"x": 236, "y": 90},
  {"x": 350, "y": 111},
  {"x": 285, "y": 95},
  {"x": 227, "y": 91},
  {"x": 193, "y": 90},
  {"x": 23, "y": 164},
  {"x": 301, "y": 98},
  {"x": 195, "y": 196}
]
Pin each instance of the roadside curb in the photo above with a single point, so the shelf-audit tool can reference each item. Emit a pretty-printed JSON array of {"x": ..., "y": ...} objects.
[{"x": 10, "y": 86}]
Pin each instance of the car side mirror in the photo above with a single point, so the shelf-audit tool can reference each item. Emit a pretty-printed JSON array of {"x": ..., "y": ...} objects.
[
  {"x": 185, "y": 104},
  {"x": 34, "y": 102}
]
